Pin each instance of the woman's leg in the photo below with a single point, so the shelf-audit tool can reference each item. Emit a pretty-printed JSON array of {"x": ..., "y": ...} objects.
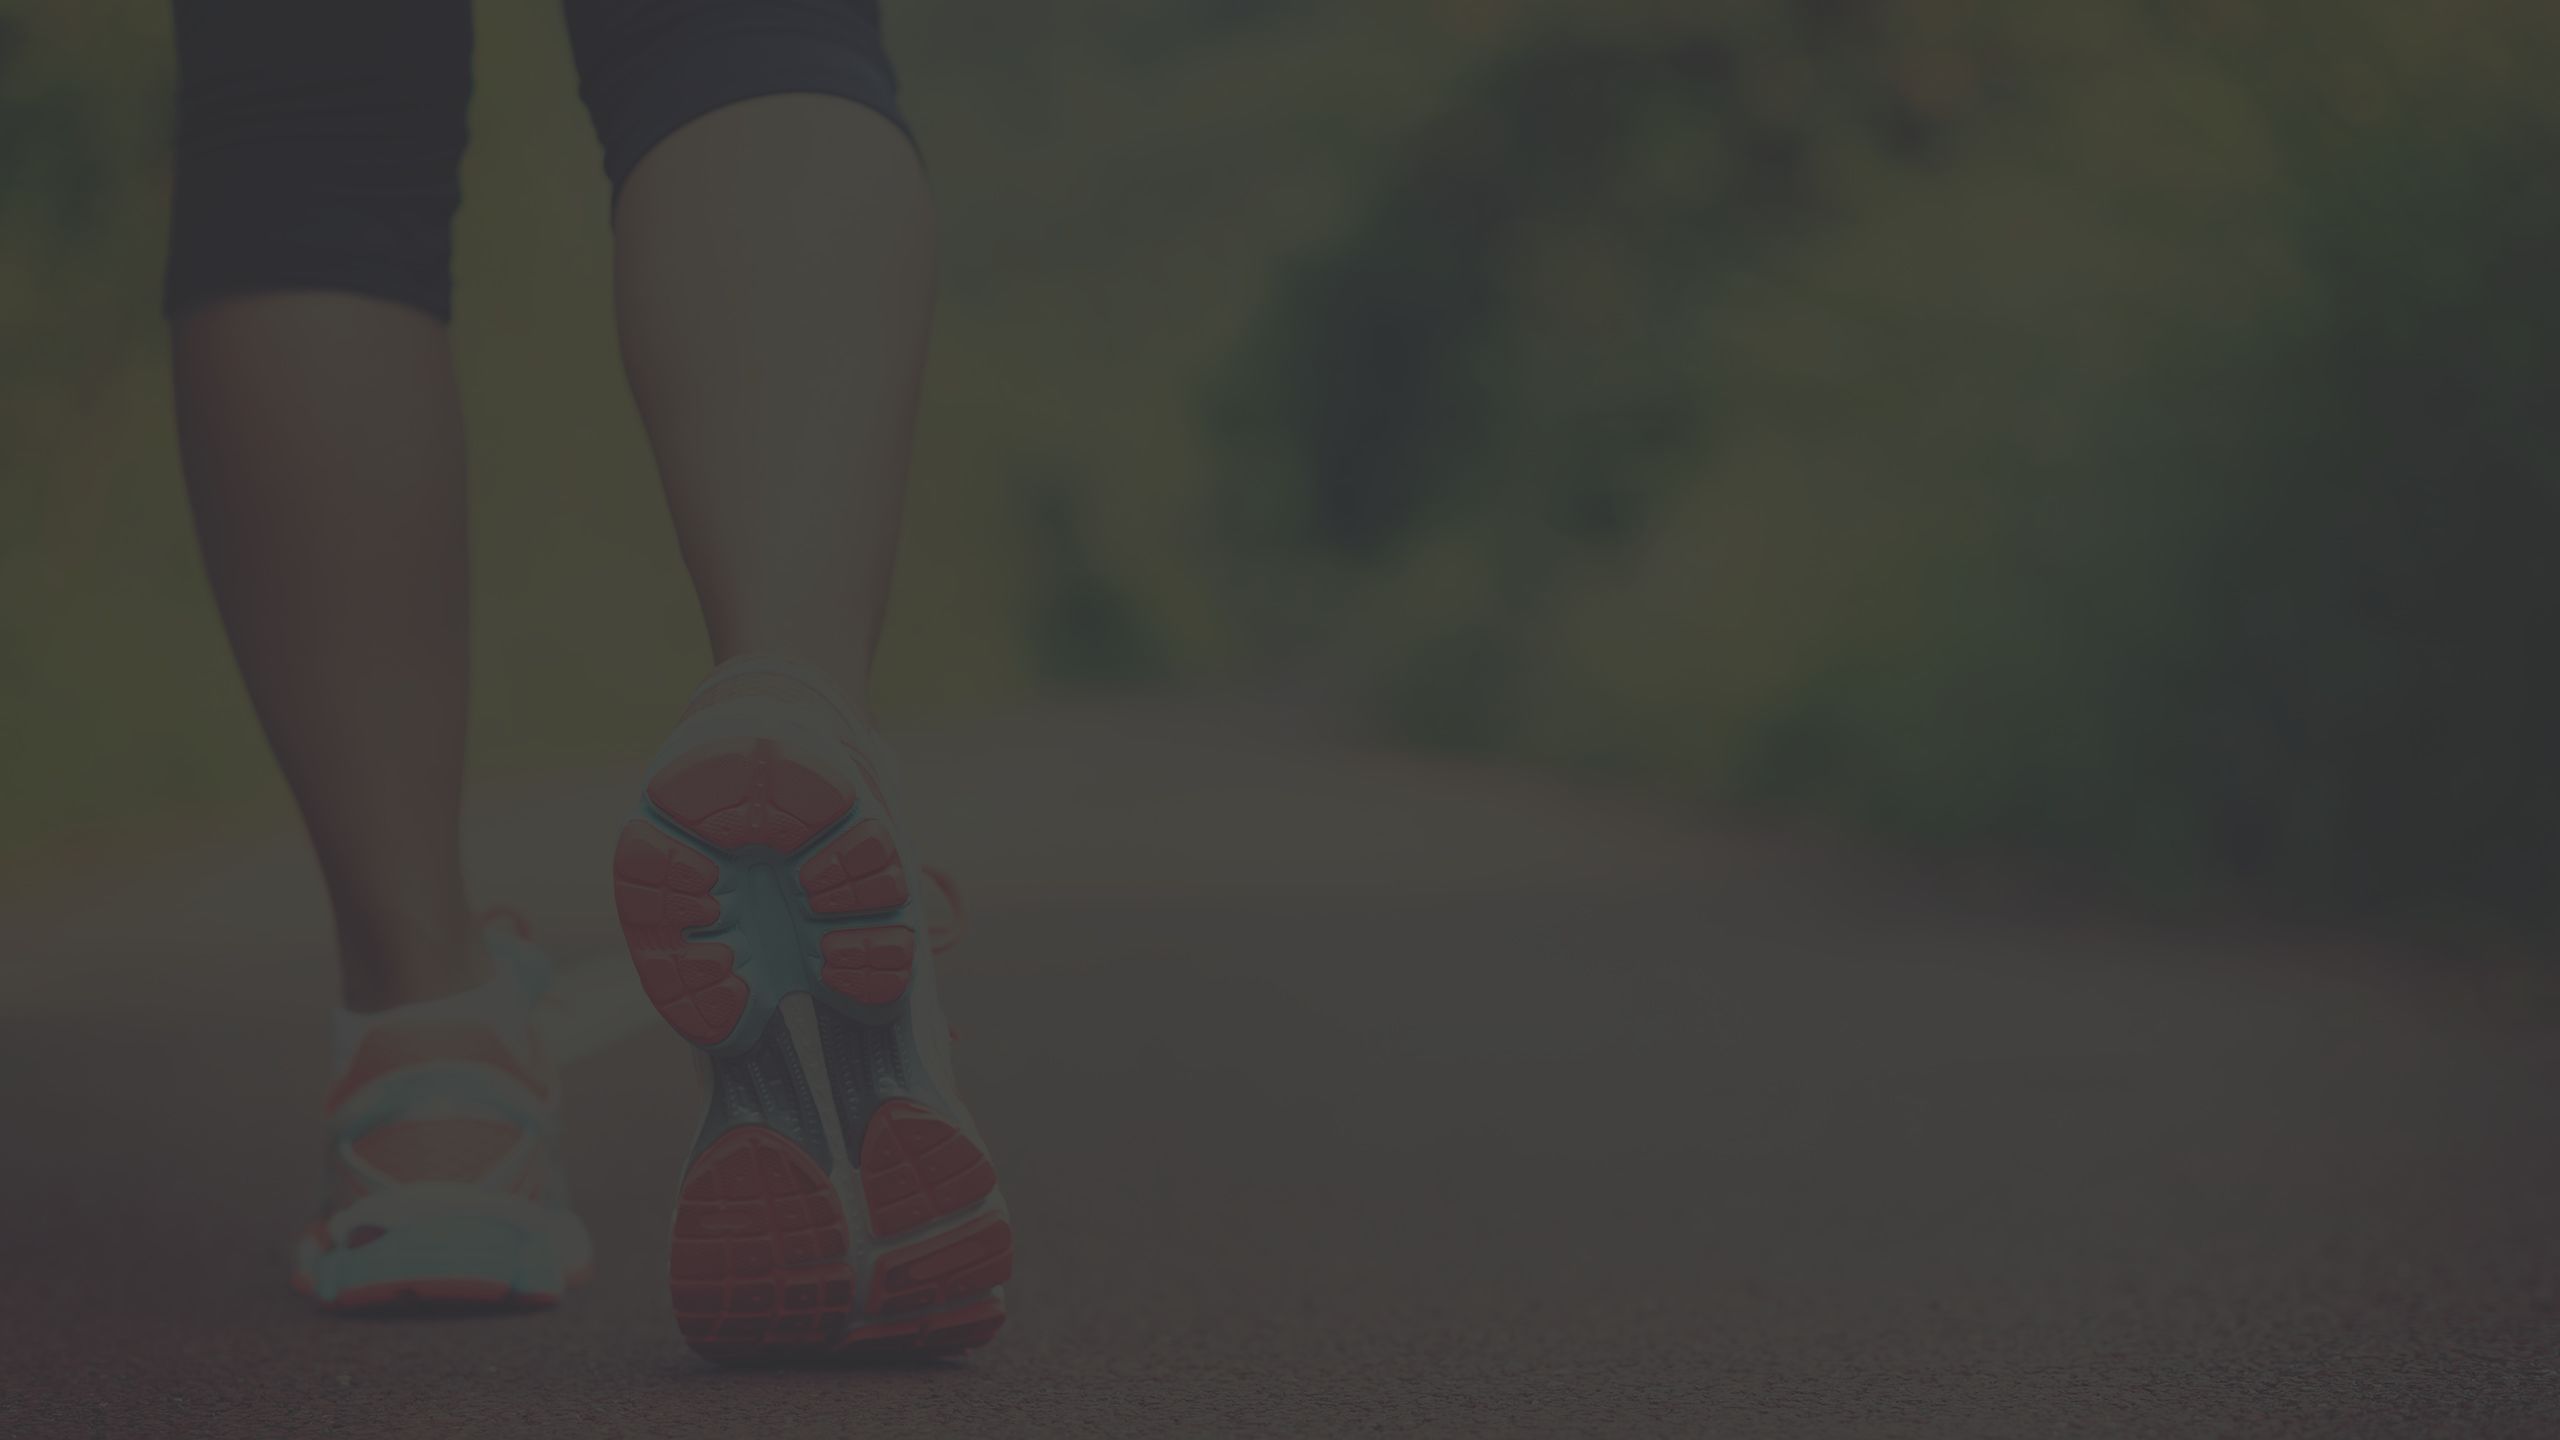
[
  {"x": 317, "y": 155},
  {"x": 774, "y": 276},
  {"x": 323, "y": 447},
  {"x": 774, "y": 271},
  {"x": 319, "y": 143}
]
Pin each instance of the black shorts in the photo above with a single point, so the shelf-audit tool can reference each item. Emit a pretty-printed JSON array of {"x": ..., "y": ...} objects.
[{"x": 320, "y": 142}]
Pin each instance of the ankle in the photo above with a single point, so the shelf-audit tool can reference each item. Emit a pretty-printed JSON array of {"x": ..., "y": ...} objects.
[
  {"x": 498, "y": 1006},
  {"x": 841, "y": 682},
  {"x": 378, "y": 972}
]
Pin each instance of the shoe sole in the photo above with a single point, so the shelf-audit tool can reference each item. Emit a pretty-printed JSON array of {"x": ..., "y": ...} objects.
[
  {"x": 458, "y": 1263},
  {"x": 776, "y": 928}
]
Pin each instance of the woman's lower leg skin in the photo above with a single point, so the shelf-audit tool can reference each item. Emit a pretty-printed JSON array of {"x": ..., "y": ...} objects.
[
  {"x": 322, "y": 439},
  {"x": 773, "y": 275}
]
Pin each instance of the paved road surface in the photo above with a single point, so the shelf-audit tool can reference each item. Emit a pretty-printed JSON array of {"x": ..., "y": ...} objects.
[{"x": 1344, "y": 1094}]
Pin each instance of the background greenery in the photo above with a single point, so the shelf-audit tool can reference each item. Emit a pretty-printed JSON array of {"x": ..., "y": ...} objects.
[{"x": 2117, "y": 430}]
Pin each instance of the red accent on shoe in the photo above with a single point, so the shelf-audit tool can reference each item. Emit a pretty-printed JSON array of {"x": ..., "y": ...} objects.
[
  {"x": 917, "y": 1167},
  {"x": 930, "y": 1273},
  {"x": 657, "y": 881},
  {"x": 508, "y": 915},
  {"x": 446, "y": 1293},
  {"x": 757, "y": 1266},
  {"x": 398, "y": 1046},
  {"x": 856, "y": 874},
  {"x": 963, "y": 1329},
  {"x": 457, "y": 1148},
  {"x": 867, "y": 967},
  {"x": 661, "y": 889},
  {"x": 735, "y": 793}
]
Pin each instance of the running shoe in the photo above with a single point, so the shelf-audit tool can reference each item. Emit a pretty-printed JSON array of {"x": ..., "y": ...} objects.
[
  {"x": 838, "y": 1200},
  {"x": 445, "y": 1188}
]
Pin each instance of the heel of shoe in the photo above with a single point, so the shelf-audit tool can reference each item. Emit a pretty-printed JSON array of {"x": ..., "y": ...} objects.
[
  {"x": 461, "y": 1261},
  {"x": 762, "y": 865},
  {"x": 758, "y": 1265},
  {"x": 796, "y": 808}
]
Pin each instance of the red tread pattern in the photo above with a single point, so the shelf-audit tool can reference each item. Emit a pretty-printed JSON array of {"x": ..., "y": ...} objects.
[
  {"x": 735, "y": 793},
  {"x": 917, "y": 1168},
  {"x": 858, "y": 873},
  {"x": 761, "y": 1265},
  {"x": 973, "y": 1259},
  {"x": 963, "y": 1329},
  {"x": 757, "y": 1266},
  {"x": 661, "y": 889},
  {"x": 658, "y": 881},
  {"x": 867, "y": 967},
  {"x": 966, "y": 1328}
]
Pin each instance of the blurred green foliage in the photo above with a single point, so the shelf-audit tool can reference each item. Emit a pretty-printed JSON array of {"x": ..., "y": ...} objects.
[
  {"x": 2115, "y": 429},
  {"x": 2107, "y": 430}
]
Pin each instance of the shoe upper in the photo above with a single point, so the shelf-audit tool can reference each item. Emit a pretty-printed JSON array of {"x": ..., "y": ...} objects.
[{"x": 443, "y": 1109}]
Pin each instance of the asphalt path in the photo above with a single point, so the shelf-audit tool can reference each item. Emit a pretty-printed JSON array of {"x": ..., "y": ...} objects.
[{"x": 1341, "y": 1092}]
